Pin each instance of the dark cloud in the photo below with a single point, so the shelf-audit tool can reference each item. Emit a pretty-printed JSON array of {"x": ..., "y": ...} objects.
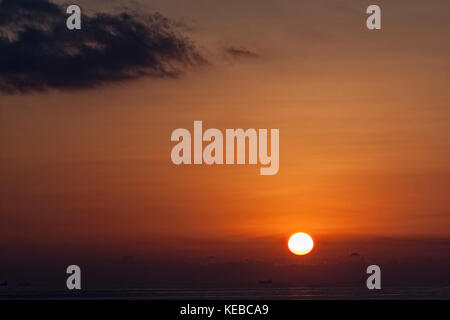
[
  {"x": 38, "y": 52},
  {"x": 237, "y": 53}
]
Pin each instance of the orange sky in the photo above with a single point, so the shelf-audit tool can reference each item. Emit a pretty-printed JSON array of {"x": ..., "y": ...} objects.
[{"x": 363, "y": 119}]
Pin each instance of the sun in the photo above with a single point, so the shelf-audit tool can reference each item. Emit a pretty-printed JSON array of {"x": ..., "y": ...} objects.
[{"x": 300, "y": 243}]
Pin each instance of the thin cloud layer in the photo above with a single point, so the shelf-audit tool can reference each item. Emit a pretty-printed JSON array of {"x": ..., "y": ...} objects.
[
  {"x": 38, "y": 52},
  {"x": 237, "y": 53}
]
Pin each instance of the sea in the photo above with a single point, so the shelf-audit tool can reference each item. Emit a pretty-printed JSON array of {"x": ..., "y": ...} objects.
[{"x": 241, "y": 293}]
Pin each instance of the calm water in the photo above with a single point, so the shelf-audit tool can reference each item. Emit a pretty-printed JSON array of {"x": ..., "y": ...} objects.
[{"x": 254, "y": 293}]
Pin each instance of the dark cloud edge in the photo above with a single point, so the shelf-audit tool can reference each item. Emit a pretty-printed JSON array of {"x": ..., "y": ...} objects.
[{"x": 41, "y": 54}]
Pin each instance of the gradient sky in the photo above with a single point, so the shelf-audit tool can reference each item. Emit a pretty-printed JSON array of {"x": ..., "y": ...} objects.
[{"x": 364, "y": 136}]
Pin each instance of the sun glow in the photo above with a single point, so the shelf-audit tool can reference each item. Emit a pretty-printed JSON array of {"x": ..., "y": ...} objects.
[{"x": 300, "y": 243}]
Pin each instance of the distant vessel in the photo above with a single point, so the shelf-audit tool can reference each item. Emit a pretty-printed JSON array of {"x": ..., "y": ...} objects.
[
  {"x": 265, "y": 282},
  {"x": 3, "y": 284}
]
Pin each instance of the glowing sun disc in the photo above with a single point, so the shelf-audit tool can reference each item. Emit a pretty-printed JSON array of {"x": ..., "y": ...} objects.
[{"x": 300, "y": 243}]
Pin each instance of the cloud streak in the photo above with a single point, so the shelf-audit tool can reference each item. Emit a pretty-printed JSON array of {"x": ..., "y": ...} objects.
[
  {"x": 238, "y": 53},
  {"x": 38, "y": 52}
]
